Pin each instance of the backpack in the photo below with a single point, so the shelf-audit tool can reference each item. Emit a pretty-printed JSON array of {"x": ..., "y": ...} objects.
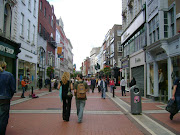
[{"x": 81, "y": 91}]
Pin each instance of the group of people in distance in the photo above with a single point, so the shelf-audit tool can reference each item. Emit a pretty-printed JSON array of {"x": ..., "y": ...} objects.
[{"x": 8, "y": 88}]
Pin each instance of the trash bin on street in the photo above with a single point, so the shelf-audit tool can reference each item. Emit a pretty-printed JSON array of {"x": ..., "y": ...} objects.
[{"x": 136, "y": 105}]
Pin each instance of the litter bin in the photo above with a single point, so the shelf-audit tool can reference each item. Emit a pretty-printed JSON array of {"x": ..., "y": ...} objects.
[{"x": 136, "y": 105}]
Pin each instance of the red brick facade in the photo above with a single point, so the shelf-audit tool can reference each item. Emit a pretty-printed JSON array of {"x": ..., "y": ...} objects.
[{"x": 47, "y": 25}]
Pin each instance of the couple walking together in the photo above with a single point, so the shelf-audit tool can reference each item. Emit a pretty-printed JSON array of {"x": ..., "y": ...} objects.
[{"x": 81, "y": 98}]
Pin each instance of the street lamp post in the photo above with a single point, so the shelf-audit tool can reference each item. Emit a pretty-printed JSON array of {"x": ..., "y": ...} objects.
[{"x": 50, "y": 90}]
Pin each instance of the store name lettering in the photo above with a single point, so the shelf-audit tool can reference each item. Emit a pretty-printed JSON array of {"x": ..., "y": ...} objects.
[
  {"x": 6, "y": 49},
  {"x": 137, "y": 60}
]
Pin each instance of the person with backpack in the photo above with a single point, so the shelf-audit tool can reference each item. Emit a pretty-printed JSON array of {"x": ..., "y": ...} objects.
[
  {"x": 66, "y": 87},
  {"x": 80, "y": 89},
  {"x": 176, "y": 95}
]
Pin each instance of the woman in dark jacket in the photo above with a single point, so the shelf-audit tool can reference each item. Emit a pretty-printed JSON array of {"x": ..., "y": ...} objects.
[{"x": 65, "y": 83}]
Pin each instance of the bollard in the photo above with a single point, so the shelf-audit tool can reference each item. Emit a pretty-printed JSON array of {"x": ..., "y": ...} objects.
[
  {"x": 32, "y": 90},
  {"x": 113, "y": 91}
]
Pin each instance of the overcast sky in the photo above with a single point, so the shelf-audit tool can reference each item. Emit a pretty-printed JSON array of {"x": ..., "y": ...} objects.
[{"x": 86, "y": 22}]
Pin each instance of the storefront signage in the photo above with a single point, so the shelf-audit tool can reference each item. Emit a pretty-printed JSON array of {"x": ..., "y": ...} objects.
[
  {"x": 137, "y": 60},
  {"x": 28, "y": 56},
  {"x": 125, "y": 64},
  {"x": 6, "y": 49},
  {"x": 133, "y": 27}
]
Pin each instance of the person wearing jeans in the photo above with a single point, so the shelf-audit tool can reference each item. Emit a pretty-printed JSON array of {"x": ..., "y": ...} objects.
[
  {"x": 7, "y": 90},
  {"x": 80, "y": 103},
  {"x": 176, "y": 95}
]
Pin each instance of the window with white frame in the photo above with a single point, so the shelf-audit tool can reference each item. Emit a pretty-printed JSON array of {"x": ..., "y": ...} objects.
[
  {"x": 29, "y": 5},
  {"x": 165, "y": 24},
  {"x": 119, "y": 46},
  {"x": 112, "y": 48},
  {"x": 34, "y": 11},
  {"x": 172, "y": 21},
  {"x": 34, "y": 28},
  {"x": 119, "y": 32},
  {"x": 45, "y": 12},
  {"x": 41, "y": 5},
  {"x": 40, "y": 31},
  {"x": 52, "y": 21},
  {"x": 28, "y": 30},
  {"x": 22, "y": 25}
]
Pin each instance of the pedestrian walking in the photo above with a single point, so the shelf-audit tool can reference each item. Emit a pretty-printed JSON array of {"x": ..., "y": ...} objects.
[
  {"x": 80, "y": 89},
  {"x": 123, "y": 85},
  {"x": 112, "y": 85},
  {"x": 99, "y": 87},
  {"x": 106, "y": 85},
  {"x": 89, "y": 84},
  {"x": 65, "y": 83},
  {"x": 40, "y": 82},
  {"x": 7, "y": 90},
  {"x": 103, "y": 88},
  {"x": 176, "y": 94},
  {"x": 93, "y": 84}
]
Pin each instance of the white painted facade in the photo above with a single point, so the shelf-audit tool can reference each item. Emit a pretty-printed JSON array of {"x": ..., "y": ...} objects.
[{"x": 25, "y": 32}]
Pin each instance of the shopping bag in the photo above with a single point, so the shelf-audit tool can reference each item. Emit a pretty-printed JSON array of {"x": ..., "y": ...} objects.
[
  {"x": 60, "y": 93},
  {"x": 172, "y": 106}
]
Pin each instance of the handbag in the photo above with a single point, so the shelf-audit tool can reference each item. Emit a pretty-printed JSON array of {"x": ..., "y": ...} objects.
[
  {"x": 60, "y": 93},
  {"x": 69, "y": 94},
  {"x": 172, "y": 106}
]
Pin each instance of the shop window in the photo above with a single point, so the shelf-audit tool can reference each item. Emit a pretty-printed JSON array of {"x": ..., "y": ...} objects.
[
  {"x": 163, "y": 80},
  {"x": 151, "y": 78},
  {"x": 176, "y": 67}
]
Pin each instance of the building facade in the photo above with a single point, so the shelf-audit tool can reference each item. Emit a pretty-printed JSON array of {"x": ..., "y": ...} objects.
[
  {"x": 24, "y": 31},
  {"x": 9, "y": 48},
  {"x": 46, "y": 38},
  {"x": 162, "y": 51},
  {"x": 93, "y": 61},
  {"x": 133, "y": 40}
]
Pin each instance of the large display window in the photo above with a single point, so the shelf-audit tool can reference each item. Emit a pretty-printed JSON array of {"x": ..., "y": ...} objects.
[
  {"x": 27, "y": 70},
  {"x": 175, "y": 67},
  {"x": 163, "y": 80},
  {"x": 151, "y": 78}
]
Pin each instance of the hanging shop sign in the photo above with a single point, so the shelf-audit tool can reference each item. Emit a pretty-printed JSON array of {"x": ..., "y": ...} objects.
[{"x": 7, "y": 50}]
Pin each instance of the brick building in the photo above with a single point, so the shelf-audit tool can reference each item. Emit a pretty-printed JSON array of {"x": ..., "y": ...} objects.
[{"x": 46, "y": 37}]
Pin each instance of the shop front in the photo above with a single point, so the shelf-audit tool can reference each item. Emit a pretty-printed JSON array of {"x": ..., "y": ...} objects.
[
  {"x": 126, "y": 70},
  {"x": 163, "y": 67},
  {"x": 27, "y": 67},
  {"x": 8, "y": 53},
  {"x": 137, "y": 70}
]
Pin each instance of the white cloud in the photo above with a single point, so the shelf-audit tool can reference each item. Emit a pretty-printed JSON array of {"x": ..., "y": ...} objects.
[{"x": 86, "y": 22}]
